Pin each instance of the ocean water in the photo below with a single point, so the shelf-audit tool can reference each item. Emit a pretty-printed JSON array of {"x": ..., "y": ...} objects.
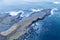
[
  {"x": 50, "y": 29},
  {"x": 46, "y": 29}
]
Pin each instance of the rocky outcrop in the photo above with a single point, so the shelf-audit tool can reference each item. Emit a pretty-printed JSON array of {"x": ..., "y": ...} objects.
[
  {"x": 10, "y": 20},
  {"x": 24, "y": 23}
]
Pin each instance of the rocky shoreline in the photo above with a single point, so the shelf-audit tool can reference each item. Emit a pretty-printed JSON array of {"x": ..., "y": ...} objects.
[{"x": 20, "y": 28}]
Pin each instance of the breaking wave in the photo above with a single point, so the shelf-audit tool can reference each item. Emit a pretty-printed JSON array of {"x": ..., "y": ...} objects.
[
  {"x": 52, "y": 11},
  {"x": 36, "y": 10},
  {"x": 56, "y": 2}
]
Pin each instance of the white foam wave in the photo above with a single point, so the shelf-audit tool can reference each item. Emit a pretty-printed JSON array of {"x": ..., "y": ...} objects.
[
  {"x": 36, "y": 10},
  {"x": 52, "y": 11},
  {"x": 56, "y": 2},
  {"x": 14, "y": 13},
  {"x": 37, "y": 23},
  {"x": 24, "y": 15},
  {"x": 38, "y": 27}
]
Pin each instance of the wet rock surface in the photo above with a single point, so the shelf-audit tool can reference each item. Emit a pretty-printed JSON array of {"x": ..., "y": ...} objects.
[{"x": 10, "y": 20}]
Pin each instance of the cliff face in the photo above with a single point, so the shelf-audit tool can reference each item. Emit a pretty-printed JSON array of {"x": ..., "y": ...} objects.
[{"x": 20, "y": 26}]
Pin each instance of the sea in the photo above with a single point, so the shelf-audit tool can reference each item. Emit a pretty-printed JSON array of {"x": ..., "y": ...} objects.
[{"x": 46, "y": 29}]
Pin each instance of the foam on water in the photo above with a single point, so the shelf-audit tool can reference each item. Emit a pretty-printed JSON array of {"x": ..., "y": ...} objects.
[
  {"x": 52, "y": 11},
  {"x": 14, "y": 13},
  {"x": 56, "y": 2},
  {"x": 36, "y": 10}
]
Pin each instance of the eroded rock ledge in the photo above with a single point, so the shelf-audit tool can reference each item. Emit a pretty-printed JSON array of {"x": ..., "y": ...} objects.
[{"x": 20, "y": 28}]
